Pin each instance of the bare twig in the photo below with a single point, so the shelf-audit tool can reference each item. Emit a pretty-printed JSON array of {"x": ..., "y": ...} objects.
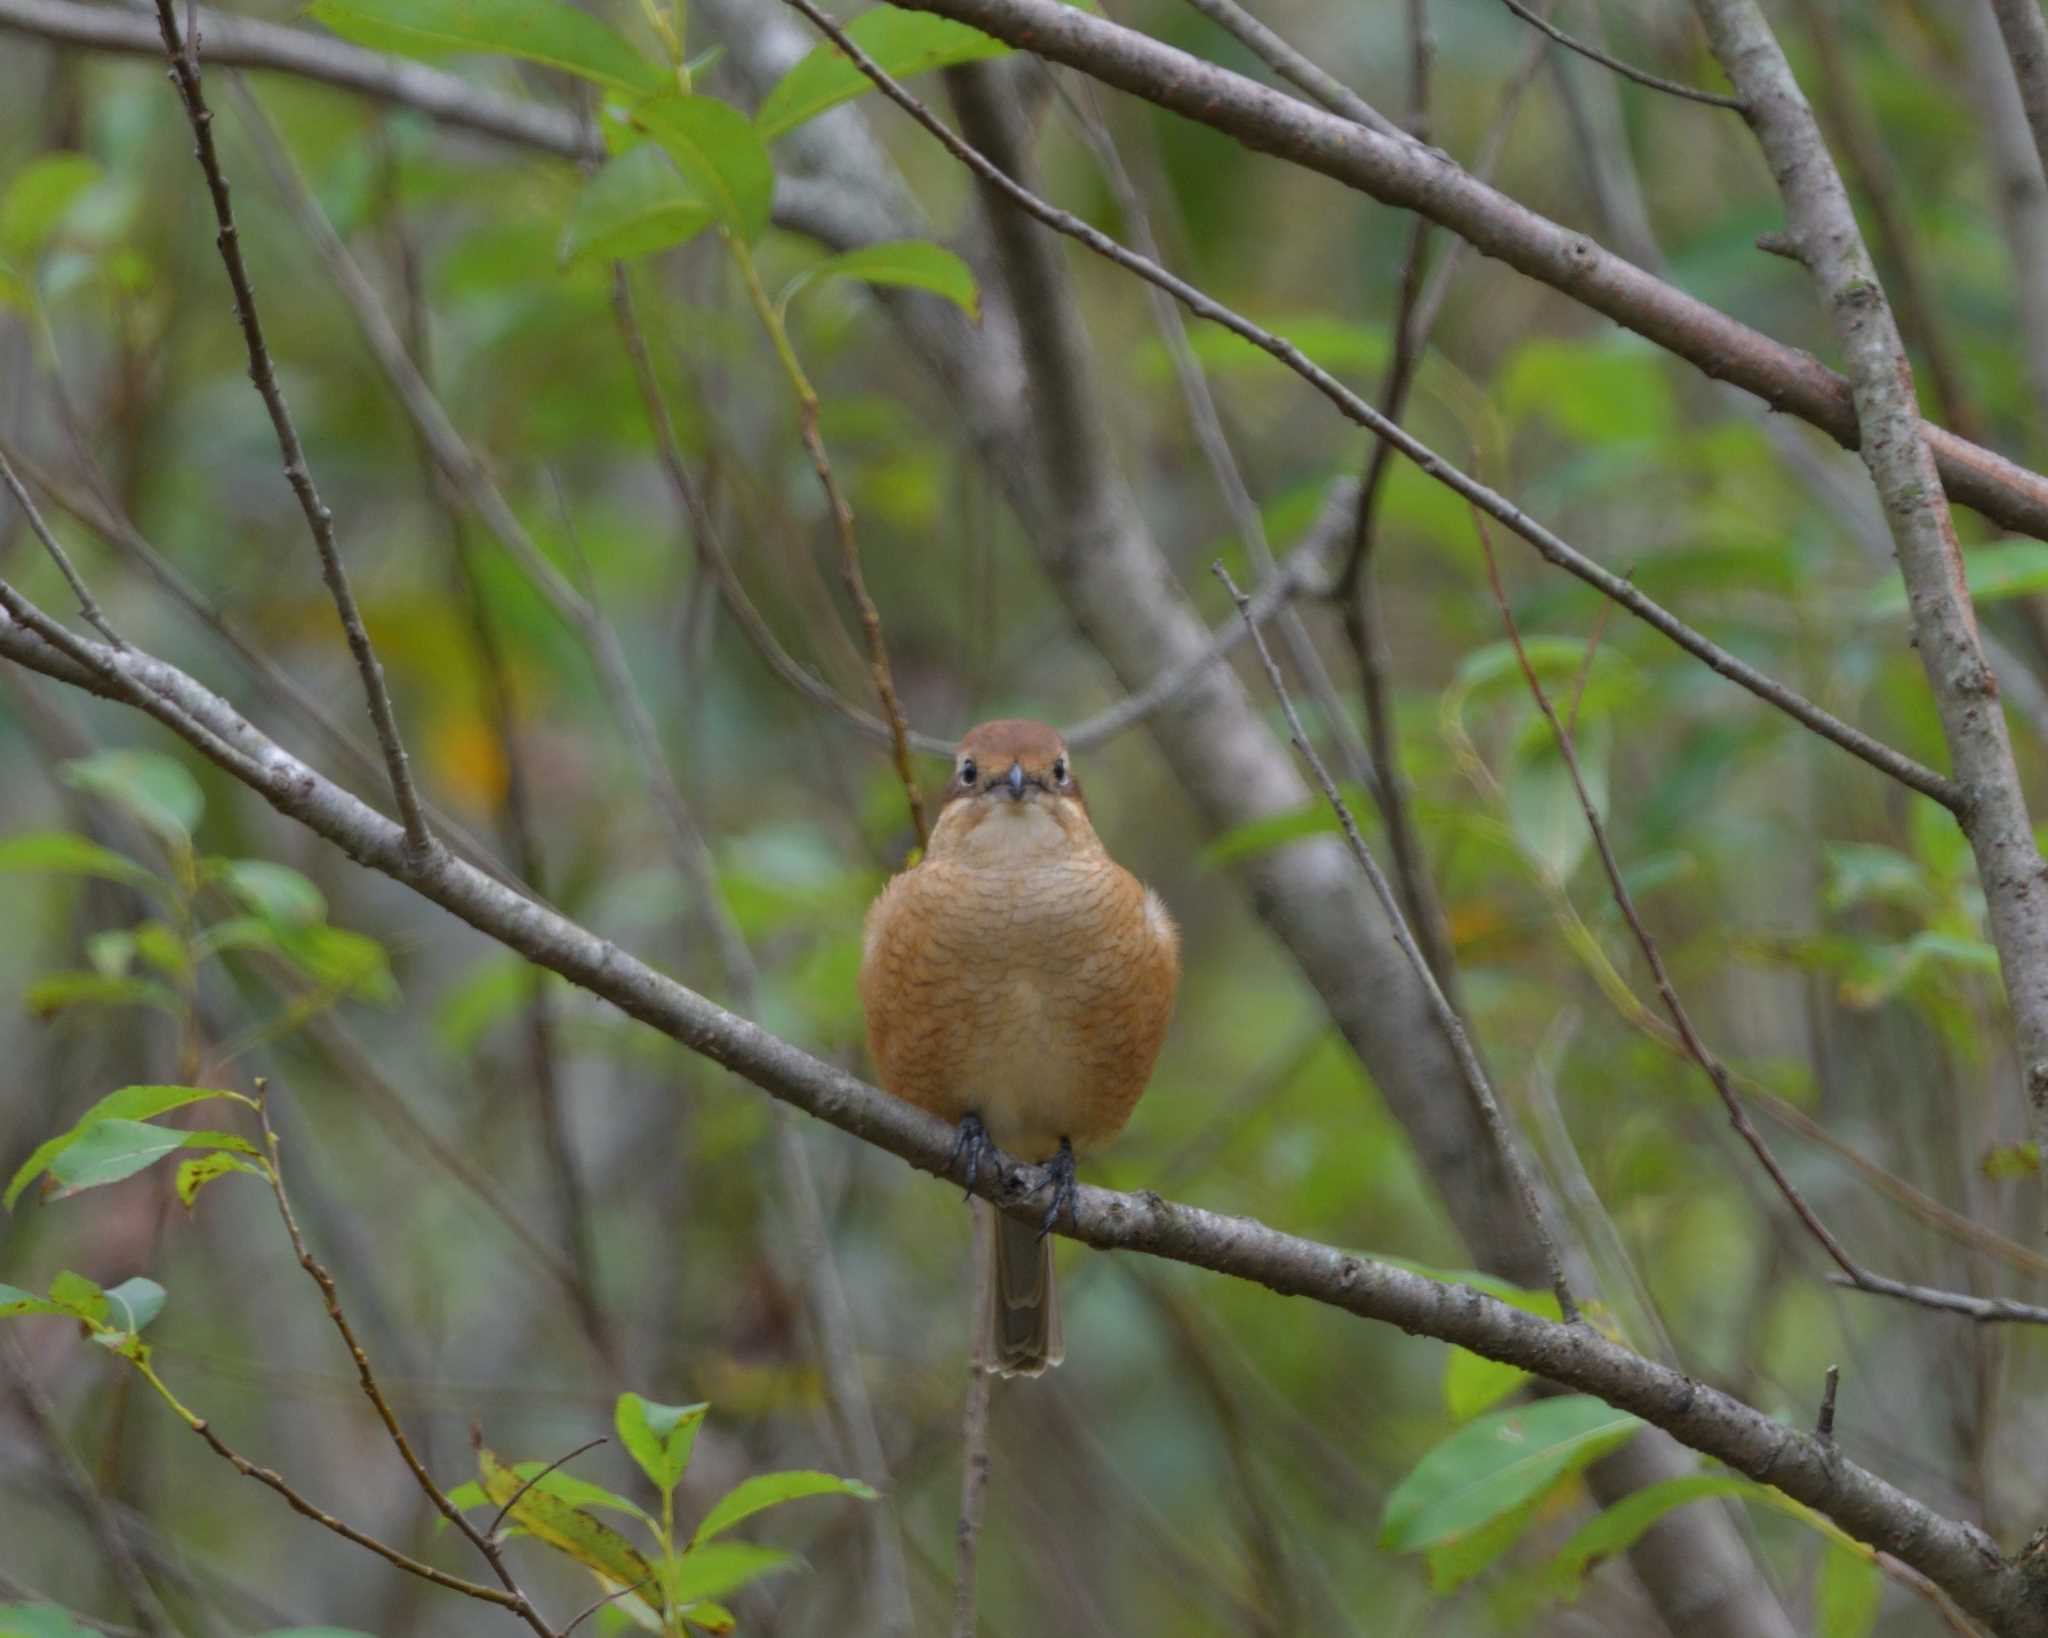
[
  {"x": 1656, "y": 82},
  {"x": 2026, "y": 42},
  {"x": 1824, "y": 1425},
  {"x": 599, "y": 1603},
  {"x": 974, "y": 1459},
  {"x": 88, "y": 606},
  {"x": 1851, "y": 1272},
  {"x": 1474, "y": 1074},
  {"x": 1556, "y": 550},
  {"x": 184, "y": 61},
  {"x": 481, "y": 1540},
  {"x": 519, "y": 1495},
  {"x": 1902, "y": 466},
  {"x": 1955, "y": 1555},
  {"x": 1293, "y": 66}
]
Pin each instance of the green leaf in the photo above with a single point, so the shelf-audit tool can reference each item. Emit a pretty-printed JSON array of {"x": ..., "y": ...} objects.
[
  {"x": 764, "y": 1490},
  {"x": 1454, "y": 1562},
  {"x": 913, "y": 264},
  {"x": 1847, "y": 1593},
  {"x": 709, "y": 1616},
  {"x": 659, "y": 1437},
  {"x": 273, "y": 890},
  {"x": 131, "y": 1103},
  {"x": 38, "y": 199},
  {"x": 77, "y": 1295},
  {"x": 1615, "y": 1529},
  {"x": 568, "y": 1488},
  {"x": 1604, "y": 391},
  {"x": 40, "y": 1621},
  {"x": 635, "y": 205},
  {"x": 60, "y": 990},
  {"x": 541, "y": 31},
  {"x": 14, "y": 1300},
  {"x": 162, "y": 948},
  {"x": 720, "y": 154},
  {"x": 1256, "y": 836},
  {"x": 113, "y": 1149},
  {"x": 59, "y": 853},
  {"x": 2006, "y": 568},
  {"x": 134, "y": 1303},
  {"x": 196, "y": 1173},
  {"x": 1543, "y": 803},
  {"x": 591, "y": 1542},
  {"x": 902, "y": 43},
  {"x": 155, "y": 789},
  {"x": 343, "y": 962},
  {"x": 1494, "y": 1464},
  {"x": 2007, "y": 1161},
  {"x": 720, "y": 1567}
]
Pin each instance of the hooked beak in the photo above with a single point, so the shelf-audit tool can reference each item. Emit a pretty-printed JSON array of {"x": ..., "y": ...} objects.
[{"x": 1014, "y": 780}]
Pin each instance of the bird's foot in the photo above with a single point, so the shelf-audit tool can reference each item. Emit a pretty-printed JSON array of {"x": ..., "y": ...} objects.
[
  {"x": 1059, "y": 1173},
  {"x": 970, "y": 1149}
]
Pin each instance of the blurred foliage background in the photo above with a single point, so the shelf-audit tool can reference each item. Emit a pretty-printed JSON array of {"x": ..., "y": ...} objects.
[{"x": 1211, "y": 1458}]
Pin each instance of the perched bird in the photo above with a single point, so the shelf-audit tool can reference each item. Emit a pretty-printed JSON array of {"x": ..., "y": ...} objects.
[{"x": 1018, "y": 981}]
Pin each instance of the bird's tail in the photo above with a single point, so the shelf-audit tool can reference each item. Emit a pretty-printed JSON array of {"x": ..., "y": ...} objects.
[{"x": 1021, "y": 1333}]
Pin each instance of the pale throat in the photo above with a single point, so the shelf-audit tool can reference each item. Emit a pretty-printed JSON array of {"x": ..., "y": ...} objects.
[{"x": 1013, "y": 836}]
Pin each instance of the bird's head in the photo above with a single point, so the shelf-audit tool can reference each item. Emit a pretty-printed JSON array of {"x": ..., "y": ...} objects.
[{"x": 1013, "y": 795}]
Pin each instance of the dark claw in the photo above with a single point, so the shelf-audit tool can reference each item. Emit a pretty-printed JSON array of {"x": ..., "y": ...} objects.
[
  {"x": 1059, "y": 1172},
  {"x": 970, "y": 1148}
]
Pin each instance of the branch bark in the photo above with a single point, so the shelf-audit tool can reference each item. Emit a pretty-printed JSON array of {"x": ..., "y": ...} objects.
[
  {"x": 1823, "y": 226},
  {"x": 1954, "y": 1555}
]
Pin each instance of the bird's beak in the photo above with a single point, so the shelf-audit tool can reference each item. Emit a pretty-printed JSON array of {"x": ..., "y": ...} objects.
[{"x": 1015, "y": 781}]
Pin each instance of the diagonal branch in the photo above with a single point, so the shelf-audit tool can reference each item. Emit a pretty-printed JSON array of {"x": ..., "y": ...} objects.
[
  {"x": 1551, "y": 546},
  {"x": 184, "y": 59},
  {"x": 1956, "y": 1556},
  {"x": 1994, "y": 817}
]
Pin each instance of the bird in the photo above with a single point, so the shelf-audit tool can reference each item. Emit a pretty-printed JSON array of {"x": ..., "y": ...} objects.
[{"x": 1017, "y": 983}]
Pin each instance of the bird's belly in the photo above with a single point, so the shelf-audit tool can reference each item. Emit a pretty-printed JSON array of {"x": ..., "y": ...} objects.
[{"x": 1029, "y": 1088}]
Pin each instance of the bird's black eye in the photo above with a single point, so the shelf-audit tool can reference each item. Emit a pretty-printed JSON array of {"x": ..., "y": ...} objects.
[
  {"x": 1059, "y": 770},
  {"x": 967, "y": 771}
]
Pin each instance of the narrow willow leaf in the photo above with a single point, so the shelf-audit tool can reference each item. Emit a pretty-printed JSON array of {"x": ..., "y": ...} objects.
[
  {"x": 541, "y": 31},
  {"x": 38, "y": 198},
  {"x": 720, "y": 1567},
  {"x": 1494, "y": 1464},
  {"x": 59, "y": 853},
  {"x": 1615, "y": 1529},
  {"x": 720, "y": 154},
  {"x": 709, "y": 1616},
  {"x": 77, "y": 1295},
  {"x": 902, "y": 43},
  {"x": 765, "y": 1490},
  {"x": 14, "y": 1300},
  {"x": 130, "y": 1103},
  {"x": 110, "y": 1150},
  {"x": 659, "y": 1437},
  {"x": 134, "y": 1303},
  {"x": 1847, "y": 1593},
  {"x": 155, "y": 789},
  {"x": 196, "y": 1173},
  {"x": 910, "y": 264},
  {"x": 635, "y": 205},
  {"x": 60, "y": 990},
  {"x": 590, "y": 1541}
]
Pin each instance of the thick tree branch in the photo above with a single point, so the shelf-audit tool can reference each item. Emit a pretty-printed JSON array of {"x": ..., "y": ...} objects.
[{"x": 1956, "y": 1556}]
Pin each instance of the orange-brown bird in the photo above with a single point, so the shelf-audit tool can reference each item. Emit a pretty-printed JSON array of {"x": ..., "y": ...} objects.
[{"x": 1018, "y": 982}]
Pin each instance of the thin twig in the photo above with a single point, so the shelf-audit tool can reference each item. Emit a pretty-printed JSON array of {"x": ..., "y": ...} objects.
[
  {"x": 88, "y": 606},
  {"x": 480, "y": 1540},
  {"x": 1824, "y": 1425},
  {"x": 184, "y": 62},
  {"x": 974, "y": 1458},
  {"x": 519, "y": 1495},
  {"x": 1627, "y": 71},
  {"x": 879, "y": 670},
  {"x": 599, "y": 1603},
  {"x": 1294, "y": 67},
  {"x": 1851, "y": 1272},
  {"x": 1473, "y": 1072},
  {"x": 1859, "y": 744},
  {"x": 1579, "y": 1357}
]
